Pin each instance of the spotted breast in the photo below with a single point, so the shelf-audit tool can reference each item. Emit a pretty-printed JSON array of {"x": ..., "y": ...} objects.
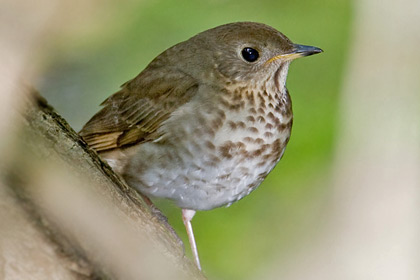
[{"x": 216, "y": 151}]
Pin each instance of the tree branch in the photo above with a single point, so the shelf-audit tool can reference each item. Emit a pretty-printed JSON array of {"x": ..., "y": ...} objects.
[{"x": 70, "y": 216}]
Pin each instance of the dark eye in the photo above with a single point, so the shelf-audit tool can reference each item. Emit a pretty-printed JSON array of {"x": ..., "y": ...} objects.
[{"x": 250, "y": 54}]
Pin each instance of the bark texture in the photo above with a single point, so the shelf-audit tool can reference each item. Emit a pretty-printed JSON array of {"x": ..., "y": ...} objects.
[{"x": 66, "y": 215}]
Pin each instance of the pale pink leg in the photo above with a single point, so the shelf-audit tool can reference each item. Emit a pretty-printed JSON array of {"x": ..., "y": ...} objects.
[{"x": 187, "y": 216}]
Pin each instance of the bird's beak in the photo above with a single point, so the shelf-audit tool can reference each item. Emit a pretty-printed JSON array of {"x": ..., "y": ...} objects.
[{"x": 297, "y": 51}]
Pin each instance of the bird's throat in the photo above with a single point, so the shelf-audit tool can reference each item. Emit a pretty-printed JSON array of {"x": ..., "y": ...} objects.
[{"x": 280, "y": 77}]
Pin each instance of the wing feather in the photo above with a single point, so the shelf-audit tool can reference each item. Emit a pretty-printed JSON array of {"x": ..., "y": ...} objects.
[{"x": 134, "y": 114}]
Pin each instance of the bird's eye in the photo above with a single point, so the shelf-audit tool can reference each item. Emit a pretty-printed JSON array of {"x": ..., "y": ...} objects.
[{"x": 250, "y": 54}]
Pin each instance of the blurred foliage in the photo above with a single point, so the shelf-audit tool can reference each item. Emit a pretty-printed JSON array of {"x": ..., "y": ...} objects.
[{"x": 89, "y": 63}]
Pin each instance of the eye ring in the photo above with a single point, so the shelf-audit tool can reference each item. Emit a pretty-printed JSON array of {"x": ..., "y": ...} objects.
[{"x": 250, "y": 54}]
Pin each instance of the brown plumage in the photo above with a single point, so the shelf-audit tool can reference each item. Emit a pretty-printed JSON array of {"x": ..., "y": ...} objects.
[{"x": 133, "y": 115}]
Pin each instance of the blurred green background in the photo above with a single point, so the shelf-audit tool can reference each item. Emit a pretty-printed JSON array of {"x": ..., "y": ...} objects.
[{"x": 101, "y": 51}]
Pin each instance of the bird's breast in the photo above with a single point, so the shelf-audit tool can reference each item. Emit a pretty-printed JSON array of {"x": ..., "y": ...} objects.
[{"x": 220, "y": 153}]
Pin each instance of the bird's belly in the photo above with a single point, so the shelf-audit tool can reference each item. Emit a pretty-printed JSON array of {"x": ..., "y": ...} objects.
[
  {"x": 225, "y": 183},
  {"x": 214, "y": 169}
]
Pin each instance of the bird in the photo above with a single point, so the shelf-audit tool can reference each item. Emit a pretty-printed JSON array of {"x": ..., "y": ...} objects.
[{"x": 205, "y": 122}]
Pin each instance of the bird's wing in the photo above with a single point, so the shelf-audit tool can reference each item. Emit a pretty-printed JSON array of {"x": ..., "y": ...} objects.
[{"x": 134, "y": 114}]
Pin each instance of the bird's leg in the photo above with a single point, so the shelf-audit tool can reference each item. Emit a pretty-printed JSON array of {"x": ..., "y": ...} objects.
[{"x": 187, "y": 216}]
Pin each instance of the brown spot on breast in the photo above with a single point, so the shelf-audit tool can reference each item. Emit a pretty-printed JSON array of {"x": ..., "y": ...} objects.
[
  {"x": 253, "y": 129},
  {"x": 259, "y": 141},
  {"x": 240, "y": 145},
  {"x": 269, "y": 126},
  {"x": 237, "y": 94},
  {"x": 210, "y": 145},
  {"x": 262, "y": 175},
  {"x": 259, "y": 151},
  {"x": 256, "y": 153},
  {"x": 221, "y": 114},
  {"x": 251, "y": 98},
  {"x": 279, "y": 108},
  {"x": 235, "y": 107},
  {"x": 226, "y": 148},
  {"x": 281, "y": 126},
  {"x": 216, "y": 123},
  {"x": 267, "y": 157},
  {"x": 252, "y": 111},
  {"x": 268, "y": 134},
  {"x": 250, "y": 119},
  {"x": 275, "y": 160},
  {"x": 232, "y": 125},
  {"x": 224, "y": 152},
  {"x": 265, "y": 147},
  {"x": 261, "y": 111},
  {"x": 249, "y": 139},
  {"x": 252, "y": 186},
  {"x": 241, "y": 124},
  {"x": 261, "y": 164},
  {"x": 276, "y": 145},
  {"x": 223, "y": 177},
  {"x": 261, "y": 119},
  {"x": 271, "y": 116}
]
